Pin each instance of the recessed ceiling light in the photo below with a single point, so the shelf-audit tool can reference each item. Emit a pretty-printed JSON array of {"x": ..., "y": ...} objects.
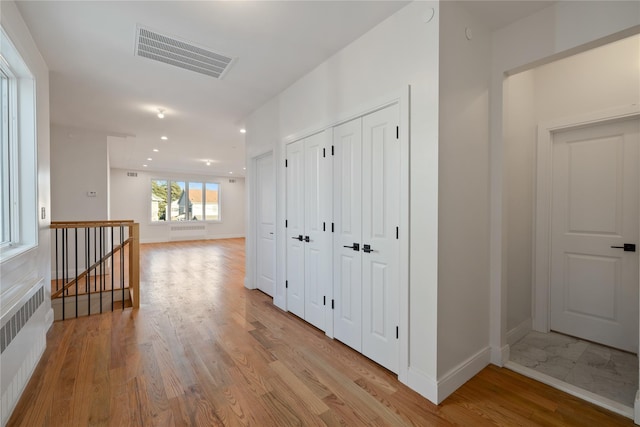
[
  {"x": 160, "y": 113},
  {"x": 243, "y": 130},
  {"x": 164, "y": 138},
  {"x": 244, "y": 169},
  {"x": 144, "y": 166},
  {"x": 149, "y": 158},
  {"x": 230, "y": 172},
  {"x": 155, "y": 150},
  {"x": 208, "y": 162}
]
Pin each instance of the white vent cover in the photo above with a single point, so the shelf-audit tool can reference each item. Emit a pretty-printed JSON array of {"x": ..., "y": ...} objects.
[{"x": 153, "y": 45}]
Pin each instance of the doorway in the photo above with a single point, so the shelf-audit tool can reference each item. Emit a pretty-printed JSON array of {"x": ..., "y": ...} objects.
[
  {"x": 562, "y": 99},
  {"x": 265, "y": 197}
]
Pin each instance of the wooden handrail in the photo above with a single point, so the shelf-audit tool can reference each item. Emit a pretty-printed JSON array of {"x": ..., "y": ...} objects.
[
  {"x": 97, "y": 263},
  {"x": 133, "y": 241},
  {"x": 91, "y": 224}
]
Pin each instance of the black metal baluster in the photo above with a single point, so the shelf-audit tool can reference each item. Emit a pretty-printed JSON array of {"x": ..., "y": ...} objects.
[
  {"x": 76, "y": 281},
  {"x": 87, "y": 255},
  {"x": 122, "y": 262},
  {"x": 113, "y": 290},
  {"x": 101, "y": 266},
  {"x": 56, "y": 232}
]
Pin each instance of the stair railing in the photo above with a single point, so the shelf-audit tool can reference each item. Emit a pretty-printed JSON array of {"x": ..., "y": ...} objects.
[{"x": 95, "y": 262}]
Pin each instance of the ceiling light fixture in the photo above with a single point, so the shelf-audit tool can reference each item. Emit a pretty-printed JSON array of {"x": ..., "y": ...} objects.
[
  {"x": 230, "y": 173},
  {"x": 149, "y": 158},
  {"x": 243, "y": 130},
  {"x": 164, "y": 138},
  {"x": 144, "y": 166},
  {"x": 208, "y": 162},
  {"x": 160, "y": 113},
  {"x": 155, "y": 150}
]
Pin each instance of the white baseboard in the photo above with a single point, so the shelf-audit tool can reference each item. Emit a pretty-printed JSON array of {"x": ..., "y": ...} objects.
[
  {"x": 519, "y": 332},
  {"x": 187, "y": 238},
  {"x": 500, "y": 355},
  {"x": 636, "y": 408},
  {"x": 423, "y": 384},
  {"x": 603, "y": 402},
  {"x": 462, "y": 373}
]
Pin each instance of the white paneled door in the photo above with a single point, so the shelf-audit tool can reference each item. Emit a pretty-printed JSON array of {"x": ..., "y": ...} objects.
[
  {"x": 594, "y": 271},
  {"x": 317, "y": 246},
  {"x": 347, "y": 261},
  {"x": 308, "y": 239},
  {"x": 380, "y": 244},
  {"x": 295, "y": 228},
  {"x": 266, "y": 215},
  {"x": 366, "y": 248}
]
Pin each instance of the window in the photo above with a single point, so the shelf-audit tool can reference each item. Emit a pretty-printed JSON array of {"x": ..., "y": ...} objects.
[
  {"x": 5, "y": 198},
  {"x": 18, "y": 153},
  {"x": 185, "y": 201}
]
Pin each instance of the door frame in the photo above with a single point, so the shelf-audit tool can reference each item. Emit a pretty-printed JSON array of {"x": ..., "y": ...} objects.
[
  {"x": 542, "y": 230},
  {"x": 256, "y": 219},
  {"x": 251, "y": 278}
]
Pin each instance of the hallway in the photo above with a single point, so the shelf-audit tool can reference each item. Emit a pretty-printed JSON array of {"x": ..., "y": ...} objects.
[{"x": 203, "y": 350}]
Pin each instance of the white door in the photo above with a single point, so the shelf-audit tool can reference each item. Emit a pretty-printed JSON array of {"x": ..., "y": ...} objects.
[
  {"x": 315, "y": 249},
  {"x": 295, "y": 228},
  {"x": 347, "y": 264},
  {"x": 380, "y": 219},
  {"x": 266, "y": 219},
  {"x": 594, "y": 286}
]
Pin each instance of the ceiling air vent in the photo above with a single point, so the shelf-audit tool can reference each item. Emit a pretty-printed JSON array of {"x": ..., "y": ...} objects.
[{"x": 153, "y": 45}]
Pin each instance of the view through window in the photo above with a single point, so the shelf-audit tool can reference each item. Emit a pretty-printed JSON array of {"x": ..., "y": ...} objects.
[{"x": 184, "y": 200}]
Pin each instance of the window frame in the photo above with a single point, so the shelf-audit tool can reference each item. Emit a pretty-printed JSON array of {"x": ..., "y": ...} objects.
[
  {"x": 186, "y": 181},
  {"x": 22, "y": 150}
]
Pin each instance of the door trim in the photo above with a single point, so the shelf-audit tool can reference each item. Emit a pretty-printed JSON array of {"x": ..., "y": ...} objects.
[
  {"x": 251, "y": 249},
  {"x": 542, "y": 231}
]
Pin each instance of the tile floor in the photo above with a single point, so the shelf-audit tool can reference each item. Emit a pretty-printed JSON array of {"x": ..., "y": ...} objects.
[{"x": 601, "y": 370}]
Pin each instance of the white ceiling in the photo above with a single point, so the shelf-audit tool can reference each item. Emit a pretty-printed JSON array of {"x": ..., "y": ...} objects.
[{"x": 97, "y": 83}]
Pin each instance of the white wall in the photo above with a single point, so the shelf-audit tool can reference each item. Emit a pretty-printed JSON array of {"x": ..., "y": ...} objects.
[
  {"x": 131, "y": 196},
  {"x": 463, "y": 221},
  {"x": 558, "y": 31},
  {"x": 401, "y": 51},
  {"x": 600, "y": 79},
  {"x": 25, "y": 274},
  {"x": 79, "y": 163}
]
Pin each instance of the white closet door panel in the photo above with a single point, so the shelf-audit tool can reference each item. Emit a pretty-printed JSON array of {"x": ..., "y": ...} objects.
[
  {"x": 347, "y": 140},
  {"x": 380, "y": 217},
  {"x": 315, "y": 268},
  {"x": 295, "y": 228}
]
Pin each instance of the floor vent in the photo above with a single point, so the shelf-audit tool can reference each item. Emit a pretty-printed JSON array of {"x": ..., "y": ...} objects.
[{"x": 180, "y": 53}]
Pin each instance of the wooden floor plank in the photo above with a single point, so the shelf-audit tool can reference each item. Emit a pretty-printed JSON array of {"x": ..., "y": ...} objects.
[{"x": 203, "y": 350}]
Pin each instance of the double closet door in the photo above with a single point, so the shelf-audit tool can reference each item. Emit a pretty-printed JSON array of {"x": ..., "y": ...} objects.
[
  {"x": 308, "y": 239},
  {"x": 366, "y": 245}
]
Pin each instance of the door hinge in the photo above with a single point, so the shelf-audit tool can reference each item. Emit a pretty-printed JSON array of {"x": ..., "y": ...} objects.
[
  {"x": 286, "y": 163},
  {"x": 397, "y": 132},
  {"x": 286, "y": 223},
  {"x": 332, "y": 228},
  {"x": 397, "y": 332},
  {"x": 333, "y": 305},
  {"x": 324, "y": 226},
  {"x": 324, "y": 300},
  {"x": 332, "y": 152},
  {"x": 324, "y": 152},
  {"x": 397, "y": 233},
  {"x": 286, "y": 284}
]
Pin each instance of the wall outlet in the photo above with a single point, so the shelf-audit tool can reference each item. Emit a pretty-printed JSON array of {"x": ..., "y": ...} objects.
[
  {"x": 43, "y": 213},
  {"x": 91, "y": 194}
]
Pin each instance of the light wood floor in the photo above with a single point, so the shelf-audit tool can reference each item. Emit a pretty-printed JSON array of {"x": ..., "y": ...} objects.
[{"x": 202, "y": 350}]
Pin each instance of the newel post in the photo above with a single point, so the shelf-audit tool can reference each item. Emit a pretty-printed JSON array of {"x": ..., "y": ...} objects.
[{"x": 134, "y": 264}]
